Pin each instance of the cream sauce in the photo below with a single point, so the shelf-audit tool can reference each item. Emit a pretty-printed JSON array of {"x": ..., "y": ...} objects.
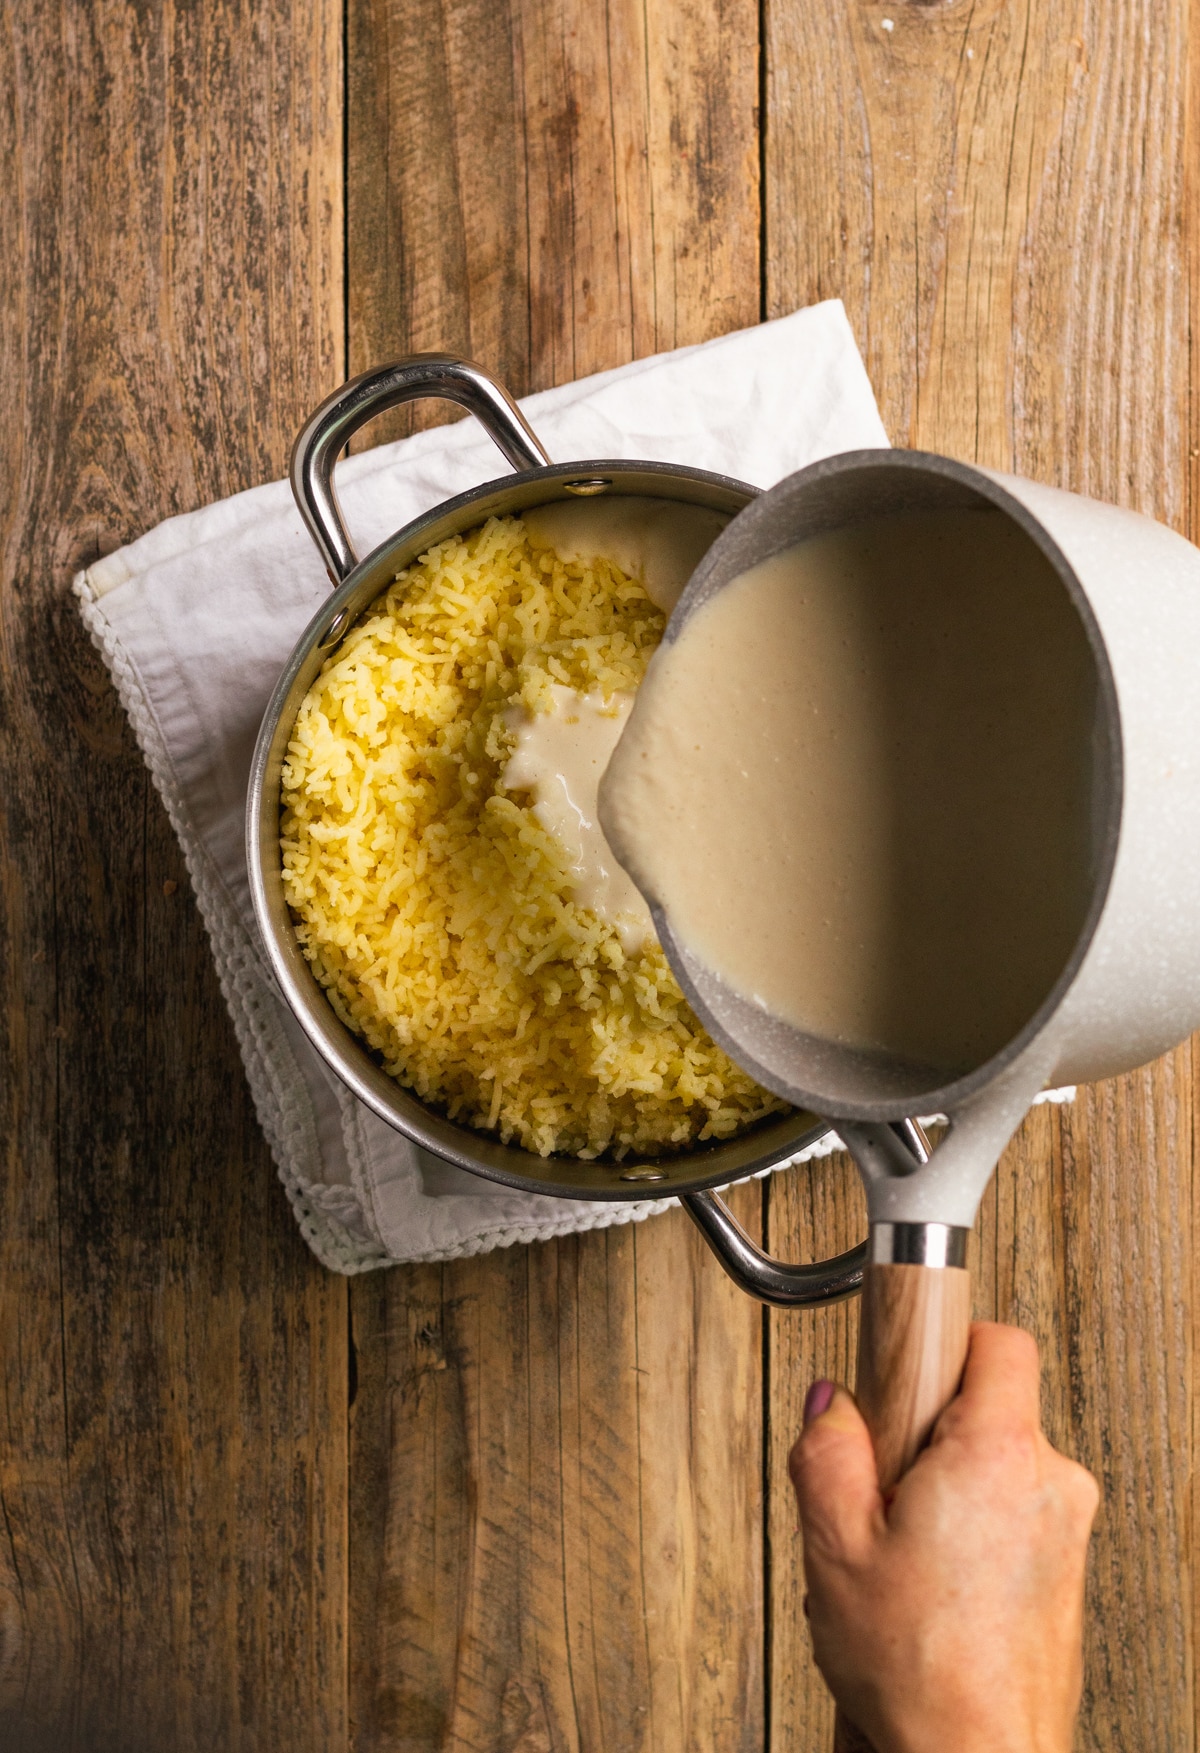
[
  {"x": 559, "y": 756},
  {"x": 858, "y": 783},
  {"x": 660, "y": 542}
]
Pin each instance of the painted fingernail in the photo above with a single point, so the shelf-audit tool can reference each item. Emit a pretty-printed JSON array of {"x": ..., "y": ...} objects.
[{"x": 817, "y": 1400}]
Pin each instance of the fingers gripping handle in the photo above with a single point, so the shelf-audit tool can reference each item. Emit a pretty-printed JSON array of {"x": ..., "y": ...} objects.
[
  {"x": 915, "y": 1321},
  {"x": 328, "y": 431}
]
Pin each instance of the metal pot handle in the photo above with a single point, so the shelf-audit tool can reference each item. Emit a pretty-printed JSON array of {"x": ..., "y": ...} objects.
[
  {"x": 771, "y": 1280},
  {"x": 330, "y": 428}
]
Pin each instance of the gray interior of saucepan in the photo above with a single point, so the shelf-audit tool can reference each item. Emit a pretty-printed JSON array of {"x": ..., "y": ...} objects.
[
  {"x": 846, "y": 489},
  {"x": 708, "y": 1166}
]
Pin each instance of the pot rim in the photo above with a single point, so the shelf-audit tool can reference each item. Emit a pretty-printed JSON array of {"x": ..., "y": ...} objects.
[{"x": 764, "y": 1146}]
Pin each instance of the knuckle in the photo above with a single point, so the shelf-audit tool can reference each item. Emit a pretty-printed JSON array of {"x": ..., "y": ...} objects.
[
  {"x": 1012, "y": 1450},
  {"x": 1082, "y": 1491},
  {"x": 810, "y": 1454},
  {"x": 1024, "y": 1446},
  {"x": 1013, "y": 1344}
]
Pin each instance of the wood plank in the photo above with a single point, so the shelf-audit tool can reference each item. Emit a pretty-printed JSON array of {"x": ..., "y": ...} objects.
[
  {"x": 1092, "y": 1257},
  {"x": 813, "y": 1212},
  {"x": 556, "y": 1500},
  {"x": 556, "y": 1453},
  {"x": 997, "y": 192},
  {"x": 172, "y": 1425},
  {"x": 592, "y": 198}
]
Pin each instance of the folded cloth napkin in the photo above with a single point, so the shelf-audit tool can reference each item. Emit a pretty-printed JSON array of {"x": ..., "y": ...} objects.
[{"x": 196, "y": 619}]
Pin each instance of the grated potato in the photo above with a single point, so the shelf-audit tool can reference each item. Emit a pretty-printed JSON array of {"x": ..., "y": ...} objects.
[{"x": 432, "y": 905}]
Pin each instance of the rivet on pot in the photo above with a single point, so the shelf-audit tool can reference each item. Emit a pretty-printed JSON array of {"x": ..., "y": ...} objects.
[
  {"x": 336, "y": 628},
  {"x": 587, "y": 489},
  {"x": 644, "y": 1175}
]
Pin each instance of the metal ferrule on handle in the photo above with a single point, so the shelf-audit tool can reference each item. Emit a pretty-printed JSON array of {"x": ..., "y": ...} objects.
[
  {"x": 917, "y": 1244},
  {"x": 328, "y": 431}
]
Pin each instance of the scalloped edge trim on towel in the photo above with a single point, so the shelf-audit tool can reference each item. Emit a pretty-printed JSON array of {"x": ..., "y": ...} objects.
[{"x": 286, "y": 1117}]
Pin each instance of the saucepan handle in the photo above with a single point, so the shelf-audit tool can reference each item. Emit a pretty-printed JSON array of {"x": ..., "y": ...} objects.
[
  {"x": 913, "y": 1329},
  {"x": 327, "y": 432},
  {"x": 912, "y": 1336},
  {"x": 912, "y": 1345}
]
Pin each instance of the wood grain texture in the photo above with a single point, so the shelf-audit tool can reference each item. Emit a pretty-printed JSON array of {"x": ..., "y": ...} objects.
[
  {"x": 172, "y": 1425},
  {"x": 549, "y": 188},
  {"x": 556, "y": 1532},
  {"x": 813, "y": 1212},
  {"x": 556, "y": 1499},
  {"x": 1093, "y": 1254},
  {"x": 998, "y": 193}
]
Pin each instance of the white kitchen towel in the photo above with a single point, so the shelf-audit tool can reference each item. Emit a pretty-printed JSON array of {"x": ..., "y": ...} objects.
[{"x": 196, "y": 619}]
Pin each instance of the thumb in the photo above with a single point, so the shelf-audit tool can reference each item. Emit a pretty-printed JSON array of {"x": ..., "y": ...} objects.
[{"x": 833, "y": 1470}]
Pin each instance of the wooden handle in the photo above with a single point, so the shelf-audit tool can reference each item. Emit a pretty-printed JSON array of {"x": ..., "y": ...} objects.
[{"x": 912, "y": 1345}]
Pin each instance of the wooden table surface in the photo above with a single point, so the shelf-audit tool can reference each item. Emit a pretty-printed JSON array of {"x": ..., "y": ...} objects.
[{"x": 534, "y": 1501}]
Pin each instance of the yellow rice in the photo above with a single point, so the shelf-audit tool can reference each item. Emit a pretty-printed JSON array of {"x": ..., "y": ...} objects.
[{"x": 433, "y": 906}]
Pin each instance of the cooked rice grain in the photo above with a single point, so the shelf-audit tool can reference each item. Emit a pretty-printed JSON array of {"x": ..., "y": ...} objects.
[{"x": 432, "y": 905}]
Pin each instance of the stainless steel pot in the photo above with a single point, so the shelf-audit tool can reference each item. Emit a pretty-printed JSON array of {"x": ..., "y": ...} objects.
[{"x": 358, "y": 583}]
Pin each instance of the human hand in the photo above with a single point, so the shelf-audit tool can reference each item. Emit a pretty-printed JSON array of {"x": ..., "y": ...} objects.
[{"x": 949, "y": 1619}]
